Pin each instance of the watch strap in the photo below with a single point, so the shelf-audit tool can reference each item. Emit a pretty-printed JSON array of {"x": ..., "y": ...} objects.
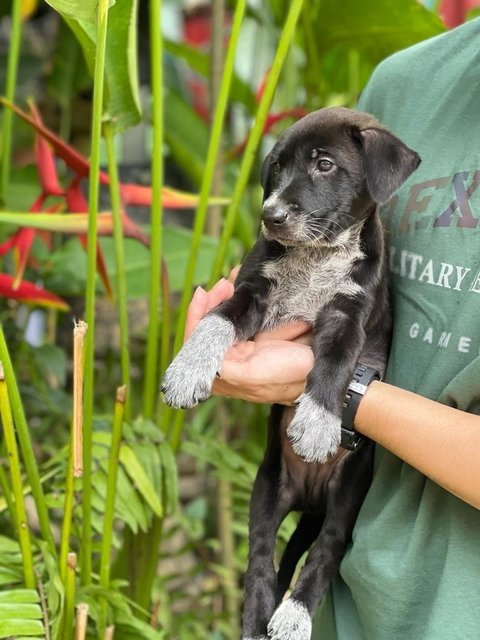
[{"x": 357, "y": 388}]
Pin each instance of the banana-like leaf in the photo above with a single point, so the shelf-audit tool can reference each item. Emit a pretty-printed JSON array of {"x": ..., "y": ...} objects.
[
  {"x": 85, "y": 10},
  {"x": 122, "y": 94},
  {"x": 177, "y": 244},
  {"x": 375, "y": 29}
]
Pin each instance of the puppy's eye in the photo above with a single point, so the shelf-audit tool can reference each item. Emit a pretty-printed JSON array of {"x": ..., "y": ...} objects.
[
  {"x": 324, "y": 165},
  {"x": 275, "y": 168}
]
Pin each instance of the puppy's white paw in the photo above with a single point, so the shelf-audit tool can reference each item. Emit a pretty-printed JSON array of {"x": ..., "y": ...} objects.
[
  {"x": 314, "y": 432},
  {"x": 255, "y": 638},
  {"x": 189, "y": 378},
  {"x": 291, "y": 621}
]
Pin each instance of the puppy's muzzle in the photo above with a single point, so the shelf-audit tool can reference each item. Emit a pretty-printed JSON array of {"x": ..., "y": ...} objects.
[
  {"x": 277, "y": 213},
  {"x": 274, "y": 215}
]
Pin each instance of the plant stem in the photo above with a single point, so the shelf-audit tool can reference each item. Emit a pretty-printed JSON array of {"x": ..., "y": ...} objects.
[
  {"x": 16, "y": 477},
  {"x": 79, "y": 333},
  {"x": 166, "y": 322},
  {"x": 75, "y": 458},
  {"x": 81, "y": 621},
  {"x": 150, "y": 392},
  {"x": 11, "y": 83},
  {"x": 98, "y": 86},
  {"x": 226, "y": 536},
  {"x": 26, "y": 447},
  {"x": 108, "y": 132},
  {"x": 106, "y": 546},
  {"x": 216, "y": 67},
  {"x": 7, "y": 493},
  {"x": 69, "y": 597},
  {"x": 212, "y": 153},
  {"x": 109, "y": 631},
  {"x": 255, "y": 136}
]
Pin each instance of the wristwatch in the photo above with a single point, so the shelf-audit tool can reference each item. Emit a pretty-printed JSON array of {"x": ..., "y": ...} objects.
[{"x": 357, "y": 388}]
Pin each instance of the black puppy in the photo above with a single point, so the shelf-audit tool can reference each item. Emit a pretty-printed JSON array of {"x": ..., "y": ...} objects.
[{"x": 321, "y": 259}]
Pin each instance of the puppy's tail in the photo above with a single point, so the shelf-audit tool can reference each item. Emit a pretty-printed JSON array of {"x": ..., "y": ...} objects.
[{"x": 308, "y": 529}]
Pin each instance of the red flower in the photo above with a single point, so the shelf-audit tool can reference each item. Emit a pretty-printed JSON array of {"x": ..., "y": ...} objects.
[{"x": 47, "y": 146}]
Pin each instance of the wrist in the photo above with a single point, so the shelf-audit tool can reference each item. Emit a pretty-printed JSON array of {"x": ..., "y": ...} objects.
[{"x": 366, "y": 408}]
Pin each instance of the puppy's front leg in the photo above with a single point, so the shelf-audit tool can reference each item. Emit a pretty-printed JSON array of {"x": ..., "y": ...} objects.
[
  {"x": 315, "y": 431},
  {"x": 189, "y": 378}
]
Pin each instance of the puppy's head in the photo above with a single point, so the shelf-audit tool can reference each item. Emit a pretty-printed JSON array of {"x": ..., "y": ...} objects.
[{"x": 326, "y": 172}]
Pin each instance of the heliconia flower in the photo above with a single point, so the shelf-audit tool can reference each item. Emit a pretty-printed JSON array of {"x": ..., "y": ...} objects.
[
  {"x": 74, "y": 160},
  {"x": 23, "y": 244},
  {"x": 45, "y": 160},
  {"x": 76, "y": 200},
  {"x": 29, "y": 292},
  {"x": 133, "y": 194},
  {"x": 47, "y": 146},
  {"x": 140, "y": 195}
]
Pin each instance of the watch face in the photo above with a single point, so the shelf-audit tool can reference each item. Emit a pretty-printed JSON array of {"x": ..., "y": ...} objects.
[
  {"x": 357, "y": 387},
  {"x": 351, "y": 440}
]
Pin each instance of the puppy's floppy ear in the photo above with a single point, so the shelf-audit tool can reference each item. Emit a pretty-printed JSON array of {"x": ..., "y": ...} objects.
[{"x": 387, "y": 162}]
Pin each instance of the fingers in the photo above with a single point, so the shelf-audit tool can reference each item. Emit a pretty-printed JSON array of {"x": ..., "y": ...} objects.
[
  {"x": 234, "y": 273},
  {"x": 220, "y": 292},
  {"x": 202, "y": 302},
  {"x": 196, "y": 310}
]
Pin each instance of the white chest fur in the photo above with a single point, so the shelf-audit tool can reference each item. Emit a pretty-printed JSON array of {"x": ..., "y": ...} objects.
[{"x": 305, "y": 279}]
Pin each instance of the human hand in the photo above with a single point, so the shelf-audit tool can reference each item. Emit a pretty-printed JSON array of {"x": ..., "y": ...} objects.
[{"x": 270, "y": 368}]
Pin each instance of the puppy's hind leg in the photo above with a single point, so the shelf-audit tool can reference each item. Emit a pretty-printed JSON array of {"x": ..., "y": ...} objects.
[
  {"x": 268, "y": 507},
  {"x": 346, "y": 492},
  {"x": 307, "y": 531}
]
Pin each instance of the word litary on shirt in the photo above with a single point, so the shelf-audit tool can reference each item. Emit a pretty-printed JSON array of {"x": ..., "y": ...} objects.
[{"x": 414, "y": 266}]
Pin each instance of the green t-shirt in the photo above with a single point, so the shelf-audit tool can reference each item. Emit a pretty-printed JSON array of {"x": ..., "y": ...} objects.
[{"x": 413, "y": 571}]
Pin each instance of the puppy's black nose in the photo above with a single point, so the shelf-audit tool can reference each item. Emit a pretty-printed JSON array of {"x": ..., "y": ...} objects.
[{"x": 274, "y": 215}]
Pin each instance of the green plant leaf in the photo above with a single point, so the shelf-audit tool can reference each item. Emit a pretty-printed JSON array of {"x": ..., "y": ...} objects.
[
  {"x": 186, "y": 135},
  {"x": 20, "y": 614},
  {"x": 18, "y": 627},
  {"x": 128, "y": 507},
  {"x": 84, "y": 10},
  {"x": 177, "y": 243},
  {"x": 135, "y": 470},
  {"x": 200, "y": 62},
  {"x": 22, "y": 596},
  {"x": 170, "y": 481},
  {"x": 376, "y": 29},
  {"x": 69, "y": 72},
  {"x": 122, "y": 95},
  {"x": 54, "y": 588}
]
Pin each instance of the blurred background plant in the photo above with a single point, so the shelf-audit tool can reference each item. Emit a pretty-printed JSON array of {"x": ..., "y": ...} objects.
[{"x": 132, "y": 134}]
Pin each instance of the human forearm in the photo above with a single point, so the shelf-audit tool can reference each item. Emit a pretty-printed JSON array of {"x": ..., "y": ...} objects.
[{"x": 435, "y": 439}]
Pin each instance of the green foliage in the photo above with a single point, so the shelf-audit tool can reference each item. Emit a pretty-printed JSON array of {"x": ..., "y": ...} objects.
[
  {"x": 122, "y": 99},
  {"x": 177, "y": 247},
  {"x": 86, "y": 10}
]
